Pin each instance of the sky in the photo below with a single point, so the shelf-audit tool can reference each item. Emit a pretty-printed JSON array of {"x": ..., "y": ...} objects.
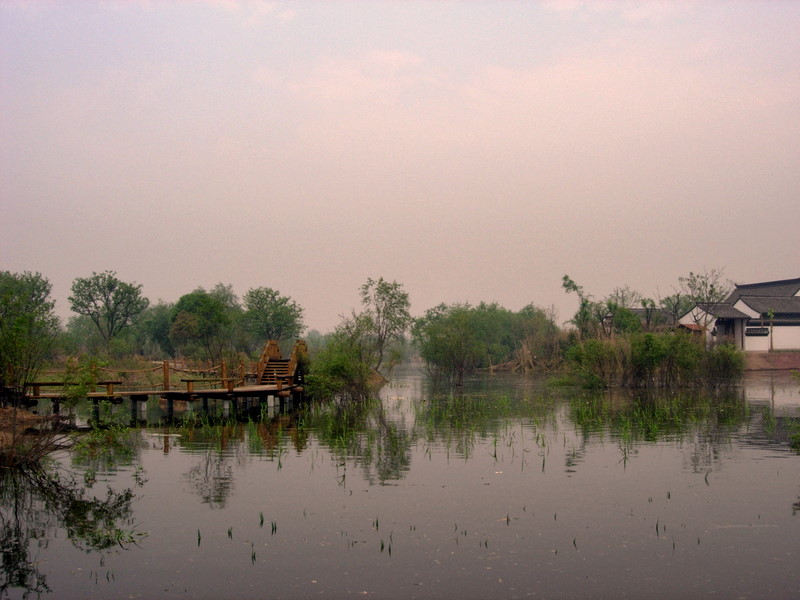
[{"x": 471, "y": 151}]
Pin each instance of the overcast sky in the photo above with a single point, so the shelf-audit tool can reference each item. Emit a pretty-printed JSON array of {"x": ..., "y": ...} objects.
[{"x": 472, "y": 151}]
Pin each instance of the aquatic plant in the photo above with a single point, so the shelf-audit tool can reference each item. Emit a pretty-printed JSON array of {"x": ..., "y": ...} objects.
[{"x": 653, "y": 360}]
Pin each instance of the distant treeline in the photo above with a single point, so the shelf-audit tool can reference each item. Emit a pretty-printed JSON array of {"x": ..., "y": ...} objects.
[{"x": 624, "y": 339}]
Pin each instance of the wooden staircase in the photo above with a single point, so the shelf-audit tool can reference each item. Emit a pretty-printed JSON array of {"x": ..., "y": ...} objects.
[
  {"x": 273, "y": 369},
  {"x": 276, "y": 370}
]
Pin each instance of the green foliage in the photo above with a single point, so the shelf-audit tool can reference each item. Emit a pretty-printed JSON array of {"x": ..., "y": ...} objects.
[
  {"x": 28, "y": 330},
  {"x": 652, "y": 416},
  {"x": 707, "y": 287},
  {"x": 344, "y": 367},
  {"x": 448, "y": 342},
  {"x": 591, "y": 362},
  {"x": 271, "y": 316},
  {"x": 111, "y": 304},
  {"x": 645, "y": 360},
  {"x": 80, "y": 378},
  {"x": 584, "y": 319},
  {"x": 106, "y": 447},
  {"x": 154, "y": 329},
  {"x": 624, "y": 320},
  {"x": 347, "y": 365},
  {"x": 199, "y": 324},
  {"x": 455, "y": 339},
  {"x": 387, "y": 306},
  {"x": 648, "y": 351},
  {"x": 676, "y": 305},
  {"x": 723, "y": 362}
]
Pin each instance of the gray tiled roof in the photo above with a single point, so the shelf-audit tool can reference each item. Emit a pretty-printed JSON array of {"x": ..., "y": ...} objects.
[
  {"x": 780, "y": 306},
  {"x": 724, "y": 311},
  {"x": 784, "y": 288}
]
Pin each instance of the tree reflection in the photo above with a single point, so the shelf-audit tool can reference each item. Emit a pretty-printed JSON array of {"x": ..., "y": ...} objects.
[
  {"x": 362, "y": 431},
  {"x": 706, "y": 421},
  {"x": 212, "y": 478},
  {"x": 36, "y": 501}
]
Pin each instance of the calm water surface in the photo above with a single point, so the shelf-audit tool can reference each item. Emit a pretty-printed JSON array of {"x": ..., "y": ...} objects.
[{"x": 506, "y": 491}]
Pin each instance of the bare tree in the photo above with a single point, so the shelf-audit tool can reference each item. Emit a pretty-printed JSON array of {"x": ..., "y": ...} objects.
[{"x": 706, "y": 291}]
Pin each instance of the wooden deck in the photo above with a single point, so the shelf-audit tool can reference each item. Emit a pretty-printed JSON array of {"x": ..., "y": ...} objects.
[
  {"x": 244, "y": 391},
  {"x": 274, "y": 376}
]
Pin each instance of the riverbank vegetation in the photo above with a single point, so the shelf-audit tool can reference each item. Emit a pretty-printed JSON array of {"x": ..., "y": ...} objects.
[{"x": 624, "y": 339}]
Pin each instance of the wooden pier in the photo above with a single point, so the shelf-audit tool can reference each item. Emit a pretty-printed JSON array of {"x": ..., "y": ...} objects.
[{"x": 274, "y": 376}]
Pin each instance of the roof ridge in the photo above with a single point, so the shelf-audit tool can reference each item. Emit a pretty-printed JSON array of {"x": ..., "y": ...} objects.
[{"x": 767, "y": 283}]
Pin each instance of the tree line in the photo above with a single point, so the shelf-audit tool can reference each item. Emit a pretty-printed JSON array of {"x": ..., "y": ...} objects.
[
  {"x": 622, "y": 339},
  {"x": 113, "y": 316}
]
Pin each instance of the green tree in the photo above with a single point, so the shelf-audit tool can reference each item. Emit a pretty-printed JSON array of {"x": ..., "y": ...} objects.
[
  {"x": 110, "y": 303},
  {"x": 448, "y": 342},
  {"x": 154, "y": 326},
  {"x": 81, "y": 336},
  {"x": 675, "y": 306},
  {"x": 344, "y": 367},
  {"x": 387, "y": 305},
  {"x": 199, "y": 322},
  {"x": 586, "y": 319},
  {"x": 271, "y": 316},
  {"x": 347, "y": 366},
  {"x": 28, "y": 330}
]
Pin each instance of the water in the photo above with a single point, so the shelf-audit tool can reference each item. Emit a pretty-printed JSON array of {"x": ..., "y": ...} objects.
[{"x": 508, "y": 491}]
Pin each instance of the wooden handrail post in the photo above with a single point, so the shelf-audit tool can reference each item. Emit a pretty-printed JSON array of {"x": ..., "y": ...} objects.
[
  {"x": 166, "y": 375},
  {"x": 224, "y": 370}
]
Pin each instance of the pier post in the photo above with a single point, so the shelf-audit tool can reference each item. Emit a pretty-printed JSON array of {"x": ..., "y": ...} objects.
[
  {"x": 165, "y": 368},
  {"x": 138, "y": 403}
]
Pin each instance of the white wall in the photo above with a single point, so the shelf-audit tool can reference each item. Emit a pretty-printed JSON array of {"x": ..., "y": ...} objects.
[{"x": 786, "y": 338}]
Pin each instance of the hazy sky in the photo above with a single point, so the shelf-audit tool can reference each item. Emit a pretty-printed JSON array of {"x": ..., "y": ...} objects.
[{"x": 473, "y": 151}]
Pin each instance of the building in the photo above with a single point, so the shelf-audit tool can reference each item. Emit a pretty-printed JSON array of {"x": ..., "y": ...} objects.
[{"x": 756, "y": 317}]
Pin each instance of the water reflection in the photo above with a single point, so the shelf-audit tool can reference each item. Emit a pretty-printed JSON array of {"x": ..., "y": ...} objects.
[
  {"x": 36, "y": 503},
  {"x": 365, "y": 433},
  {"x": 507, "y": 488}
]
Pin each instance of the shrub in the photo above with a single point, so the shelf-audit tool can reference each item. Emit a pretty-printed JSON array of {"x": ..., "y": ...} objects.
[{"x": 723, "y": 362}]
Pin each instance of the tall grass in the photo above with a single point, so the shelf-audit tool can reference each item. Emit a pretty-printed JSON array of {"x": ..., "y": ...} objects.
[{"x": 654, "y": 360}]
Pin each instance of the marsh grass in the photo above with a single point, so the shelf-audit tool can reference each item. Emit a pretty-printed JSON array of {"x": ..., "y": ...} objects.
[
  {"x": 650, "y": 417},
  {"x": 27, "y": 439}
]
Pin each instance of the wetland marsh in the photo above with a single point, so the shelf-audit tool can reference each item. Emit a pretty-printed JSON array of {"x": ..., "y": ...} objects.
[{"x": 508, "y": 489}]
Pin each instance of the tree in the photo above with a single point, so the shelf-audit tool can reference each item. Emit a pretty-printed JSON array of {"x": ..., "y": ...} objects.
[
  {"x": 272, "y": 316},
  {"x": 28, "y": 329},
  {"x": 449, "y": 342},
  {"x": 155, "y": 324},
  {"x": 706, "y": 291},
  {"x": 344, "y": 367},
  {"x": 624, "y": 297},
  {"x": 707, "y": 287},
  {"x": 387, "y": 305},
  {"x": 675, "y": 305},
  {"x": 347, "y": 365},
  {"x": 111, "y": 304},
  {"x": 586, "y": 317},
  {"x": 199, "y": 322}
]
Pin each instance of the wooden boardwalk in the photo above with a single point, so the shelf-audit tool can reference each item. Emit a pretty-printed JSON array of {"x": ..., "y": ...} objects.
[{"x": 274, "y": 376}]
